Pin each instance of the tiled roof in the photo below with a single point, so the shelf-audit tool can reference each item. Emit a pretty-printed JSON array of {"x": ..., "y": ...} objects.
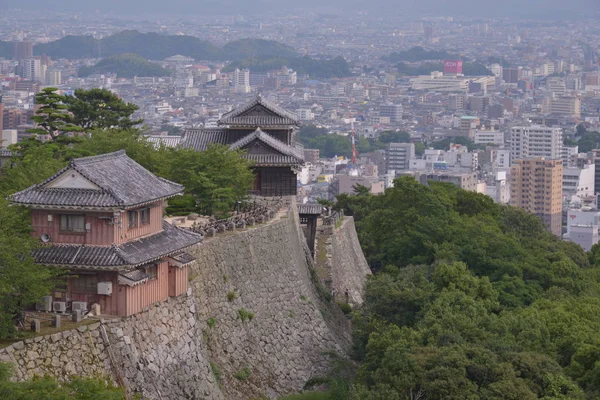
[
  {"x": 199, "y": 139},
  {"x": 183, "y": 258},
  {"x": 136, "y": 252},
  {"x": 275, "y": 115},
  {"x": 121, "y": 181},
  {"x": 313, "y": 209},
  {"x": 133, "y": 278},
  {"x": 289, "y": 154},
  {"x": 168, "y": 141}
]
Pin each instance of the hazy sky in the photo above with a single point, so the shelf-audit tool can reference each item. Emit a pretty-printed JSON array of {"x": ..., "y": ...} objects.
[{"x": 488, "y": 8}]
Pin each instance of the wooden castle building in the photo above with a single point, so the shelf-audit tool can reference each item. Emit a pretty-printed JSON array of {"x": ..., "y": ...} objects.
[
  {"x": 268, "y": 134},
  {"x": 101, "y": 217}
]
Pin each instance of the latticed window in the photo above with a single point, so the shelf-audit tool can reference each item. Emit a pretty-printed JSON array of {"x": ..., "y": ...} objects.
[{"x": 72, "y": 223}]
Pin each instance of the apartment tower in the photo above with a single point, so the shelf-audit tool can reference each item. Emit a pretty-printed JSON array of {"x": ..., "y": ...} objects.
[{"x": 536, "y": 186}]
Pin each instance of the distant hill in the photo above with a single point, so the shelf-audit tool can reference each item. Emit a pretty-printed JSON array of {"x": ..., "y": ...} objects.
[
  {"x": 257, "y": 48},
  {"x": 125, "y": 66},
  {"x": 156, "y": 46},
  {"x": 333, "y": 68}
]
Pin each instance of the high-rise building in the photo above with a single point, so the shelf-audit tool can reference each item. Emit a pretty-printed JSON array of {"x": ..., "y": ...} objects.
[
  {"x": 511, "y": 75},
  {"x": 536, "y": 141},
  {"x": 31, "y": 69},
  {"x": 241, "y": 80},
  {"x": 53, "y": 77},
  {"x": 398, "y": 156},
  {"x": 536, "y": 186},
  {"x": 22, "y": 50},
  {"x": 393, "y": 111}
]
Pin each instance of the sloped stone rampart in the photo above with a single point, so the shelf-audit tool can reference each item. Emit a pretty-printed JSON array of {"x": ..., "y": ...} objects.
[
  {"x": 349, "y": 267},
  {"x": 252, "y": 316}
]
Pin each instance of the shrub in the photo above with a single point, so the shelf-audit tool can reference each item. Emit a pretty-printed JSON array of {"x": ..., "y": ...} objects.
[
  {"x": 231, "y": 296},
  {"x": 211, "y": 322},
  {"x": 245, "y": 315},
  {"x": 243, "y": 374}
]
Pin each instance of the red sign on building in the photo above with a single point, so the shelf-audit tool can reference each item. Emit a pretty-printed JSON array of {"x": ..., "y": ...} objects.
[{"x": 453, "y": 67}]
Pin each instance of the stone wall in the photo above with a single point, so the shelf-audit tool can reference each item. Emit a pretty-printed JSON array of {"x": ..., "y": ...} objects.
[
  {"x": 265, "y": 271},
  {"x": 253, "y": 316},
  {"x": 345, "y": 262},
  {"x": 158, "y": 353}
]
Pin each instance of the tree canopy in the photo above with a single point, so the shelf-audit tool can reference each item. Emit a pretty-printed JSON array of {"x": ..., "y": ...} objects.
[
  {"x": 470, "y": 300},
  {"x": 100, "y": 109},
  {"x": 331, "y": 145},
  {"x": 125, "y": 66}
]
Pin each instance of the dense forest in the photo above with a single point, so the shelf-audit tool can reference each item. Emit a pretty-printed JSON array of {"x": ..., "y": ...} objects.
[
  {"x": 469, "y": 300},
  {"x": 125, "y": 66},
  {"x": 317, "y": 68},
  {"x": 331, "y": 145},
  {"x": 154, "y": 46}
]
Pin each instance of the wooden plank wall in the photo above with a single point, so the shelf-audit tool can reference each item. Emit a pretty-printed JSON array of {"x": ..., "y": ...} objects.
[
  {"x": 124, "y": 234},
  {"x": 178, "y": 281},
  {"x": 138, "y": 297},
  {"x": 101, "y": 232}
]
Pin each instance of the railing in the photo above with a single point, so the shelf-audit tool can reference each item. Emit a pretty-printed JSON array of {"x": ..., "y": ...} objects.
[
  {"x": 247, "y": 213},
  {"x": 333, "y": 219}
]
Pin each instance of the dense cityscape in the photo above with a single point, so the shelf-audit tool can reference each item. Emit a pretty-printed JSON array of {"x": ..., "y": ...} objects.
[{"x": 465, "y": 149}]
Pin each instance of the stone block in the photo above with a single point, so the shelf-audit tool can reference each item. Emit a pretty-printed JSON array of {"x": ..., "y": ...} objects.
[
  {"x": 56, "y": 321},
  {"x": 35, "y": 326}
]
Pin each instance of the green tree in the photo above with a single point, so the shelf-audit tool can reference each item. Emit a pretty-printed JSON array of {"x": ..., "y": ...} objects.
[
  {"x": 100, "y": 109},
  {"x": 216, "y": 178},
  {"x": 22, "y": 281},
  {"x": 53, "y": 117}
]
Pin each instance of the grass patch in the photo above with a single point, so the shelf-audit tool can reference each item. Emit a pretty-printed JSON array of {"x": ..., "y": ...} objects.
[
  {"x": 211, "y": 322},
  {"x": 243, "y": 374},
  {"x": 292, "y": 314},
  {"x": 339, "y": 223},
  {"x": 225, "y": 278},
  {"x": 245, "y": 315},
  {"x": 231, "y": 296},
  {"x": 345, "y": 307},
  {"x": 217, "y": 373},
  {"x": 303, "y": 298}
]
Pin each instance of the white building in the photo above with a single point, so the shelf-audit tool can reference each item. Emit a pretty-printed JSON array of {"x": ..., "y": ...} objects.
[
  {"x": 305, "y": 114},
  {"x": 536, "y": 141},
  {"x": 398, "y": 156},
  {"x": 500, "y": 191},
  {"x": 439, "y": 83},
  {"x": 582, "y": 227},
  {"x": 488, "y": 137},
  {"x": 500, "y": 160},
  {"x": 241, "y": 80},
  {"x": 579, "y": 182}
]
